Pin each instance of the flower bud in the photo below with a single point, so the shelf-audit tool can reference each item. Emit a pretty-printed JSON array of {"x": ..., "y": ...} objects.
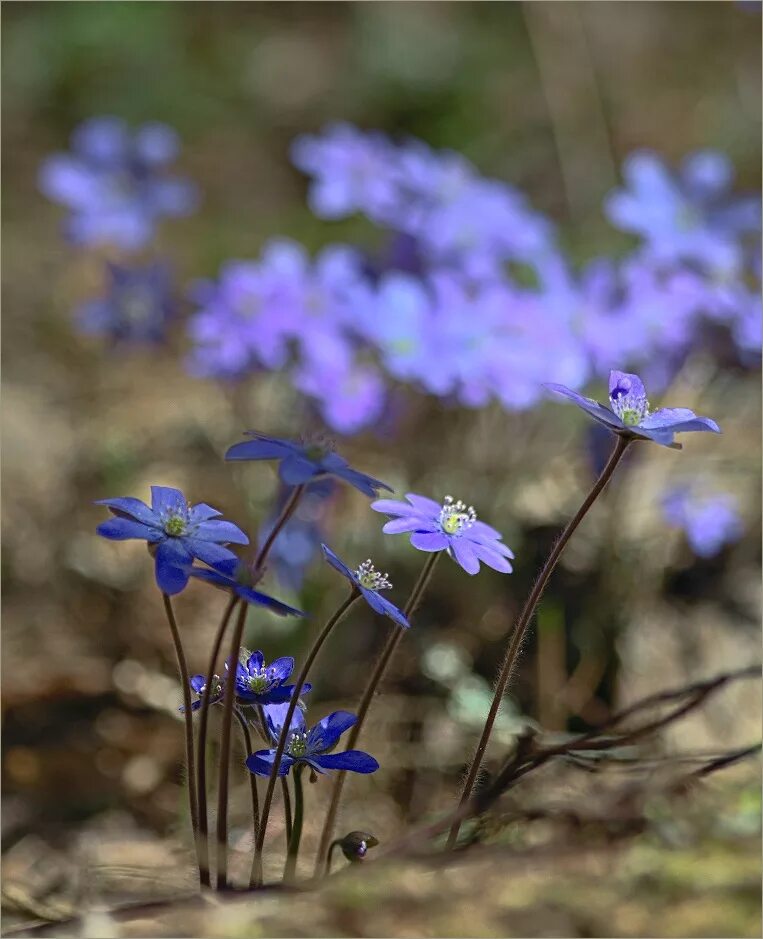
[{"x": 355, "y": 845}]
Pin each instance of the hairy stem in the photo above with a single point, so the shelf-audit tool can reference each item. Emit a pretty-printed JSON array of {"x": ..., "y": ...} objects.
[
  {"x": 188, "y": 718},
  {"x": 202, "y": 744},
  {"x": 296, "y": 831},
  {"x": 374, "y": 681},
  {"x": 225, "y": 736},
  {"x": 284, "y": 736},
  {"x": 525, "y": 617}
]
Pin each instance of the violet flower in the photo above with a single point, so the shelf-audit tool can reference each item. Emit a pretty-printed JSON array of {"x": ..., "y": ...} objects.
[{"x": 630, "y": 415}]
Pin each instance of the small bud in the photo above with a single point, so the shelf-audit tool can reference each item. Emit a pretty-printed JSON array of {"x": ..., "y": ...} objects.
[{"x": 355, "y": 845}]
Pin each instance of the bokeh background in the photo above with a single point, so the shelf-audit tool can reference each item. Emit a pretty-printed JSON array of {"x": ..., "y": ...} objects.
[{"x": 549, "y": 97}]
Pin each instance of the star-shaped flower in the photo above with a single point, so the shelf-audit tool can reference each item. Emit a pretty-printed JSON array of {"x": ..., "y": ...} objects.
[
  {"x": 451, "y": 526},
  {"x": 630, "y": 416},
  {"x": 179, "y": 531},
  {"x": 368, "y": 582}
]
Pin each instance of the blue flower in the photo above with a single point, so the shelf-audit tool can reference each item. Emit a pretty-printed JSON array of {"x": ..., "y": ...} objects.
[
  {"x": 450, "y": 526},
  {"x": 198, "y": 683},
  {"x": 311, "y": 747},
  {"x": 303, "y": 462},
  {"x": 236, "y": 576},
  {"x": 630, "y": 415},
  {"x": 113, "y": 182},
  {"x": 136, "y": 307},
  {"x": 710, "y": 521},
  {"x": 368, "y": 582},
  {"x": 176, "y": 532},
  {"x": 258, "y": 683}
]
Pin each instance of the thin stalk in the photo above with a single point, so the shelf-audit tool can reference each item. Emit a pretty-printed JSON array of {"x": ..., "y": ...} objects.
[
  {"x": 225, "y": 735},
  {"x": 284, "y": 736},
  {"x": 365, "y": 702},
  {"x": 296, "y": 832},
  {"x": 520, "y": 629},
  {"x": 252, "y": 778},
  {"x": 330, "y": 854},
  {"x": 188, "y": 718},
  {"x": 284, "y": 788},
  {"x": 286, "y": 513},
  {"x": 202, "y": 745}
]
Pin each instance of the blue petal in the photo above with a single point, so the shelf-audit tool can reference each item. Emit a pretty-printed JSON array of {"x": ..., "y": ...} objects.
[
  {"x": 166, "y": 499},
  {"x": 381, "y": 605},
  {"x": 284, "y": 693},
  {"x": 356, "y": 761},
  {"x": 489, "y": 556},
  {"x": 255, "y": 662},
  {"x": 201, "y": 512},
  {"x": 339, "y": 565},
  {"x": 464, "y": 553},
  {"x": 133, "y": 507},
  {"x": 596, "y": 410},
  {"x": 275, "y": 715},
  {"x": 430, "y": 540},
  {"x": 363, "y": 483},
  {"x": 296, "y": 469},
  {"x": 122, "y": 529},
  {"x": 220, "y": 532},
  {"x": 626, "y": 383},
  {"x": 206, "y": 551},
  {"x": 197, "y": 682},
  {"x": 393, "y": 507},
  {"x": 326, "y": 733},
  {"x": 282, "y": 667},
  {"x": 262, "y": 599},
  {"x": 261, "y": 763},
  {"x": 678, "y": 420},
  {"x": 172, "y": 565}
]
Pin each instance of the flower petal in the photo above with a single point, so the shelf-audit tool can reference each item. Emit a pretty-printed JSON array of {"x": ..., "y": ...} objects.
[
  {"x": 326, "y": 733},
  {"x": 492, "y": 558},
  {"x": 284, "y": 693},
  {"x": 201, "y": 512},
  {"x": 626, "y": 383},
  {"x": 426, "y": 506},
  {"x": 260, "y": 448},
  {"x": 220, "y": 531},
  {"x": 166, "y": 499},
  {"x": 398, "y": 525},
  {"x": 255, "y": 662},
  {"x": 339, "y": 565},
  {"x": 282, "y": 667},
  {"x": 172, "y": 566},
  {"x": 122, "y": 529},
  {"x": 207, "y": 552},
  {"x": 391, "y": 507},
  {"x": 382, "y": 606},
  {"x": 596, "y": 410},
  {"x": 464, "y": 554},
  {"x": 133, "y": 507},
  {"x": 275, "y": 715},
  {"x": 429, "y": 541},
  {"x": 678, "y": 420},
  {"x": 356, "y": 761},
  {"x": 261, "y": 763},
  {"x": 197, "y": 682},
  {"x": 296, "y": 469},
  {"x": 362, "y": 482}
]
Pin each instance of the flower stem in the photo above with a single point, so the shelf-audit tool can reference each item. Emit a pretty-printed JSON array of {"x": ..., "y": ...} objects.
[
  {"x": 202, "y": 744},
  {"x": 252, "y": 778},
  {"x": 365, "y": 702},
  {"x": 188, "y": 717},
  {"x": 329, "y": 855},
  {"x": 520, "y": 629},
  {"x": 296, "y": 830},
  {"x": 225, "y": 735},
  {"x": 286, "y": 513},
  {"x": 332, "y": 622},
  {"x": 284, "y": 788}
]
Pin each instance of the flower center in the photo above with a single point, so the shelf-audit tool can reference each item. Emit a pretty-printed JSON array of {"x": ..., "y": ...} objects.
[
  {"x": 175, "y": 525},
  {"x": 259, "y": 683},
  {"x": 456, "y": 517},
  {"x": 137, "y": 306},
  {"x": 370, "y": 578},
  {"x": 297, "y": 745},
  {"x": 629, "y": 406},
  {"x": 318, "y": 446}
]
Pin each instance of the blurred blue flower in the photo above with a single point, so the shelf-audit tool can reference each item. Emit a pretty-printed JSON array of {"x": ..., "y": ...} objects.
[
  {"x": 309, "y": 747},
  {"x": 303, "y": 462},
  {"x": 710, "y": 521},
  {"x": 687, "y": 216},
  {"x": 176, "y": 532},
  {"x": 137, "y": 305},
  {"x": 114, "y": 184},
  {"x": 630, "y": 415},
  {"x": 451, "y": 526},
  {"x": 368, "y": 582}
]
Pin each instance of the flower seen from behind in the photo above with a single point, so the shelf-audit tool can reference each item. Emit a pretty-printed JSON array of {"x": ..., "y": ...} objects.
[
  {"x": 368, "y": 582},
  {"x": 449, "y": 526},
  {"x": 303, "y": 462},
  {"x": 309, "y": 747},
  {"x": 629, "y": 413},
  {"x": 176, "y": 531}
]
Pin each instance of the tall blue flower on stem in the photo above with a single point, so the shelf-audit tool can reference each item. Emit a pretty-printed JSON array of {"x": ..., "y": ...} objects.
[
  {"x": 310, "y": 747},
  {"x": 629, "y": 414},
  {"x": 451, "y": 526},
  {"x": 303, "y": 462},
  {"x": 258, "y": 683},
  {"x": 367, "y": 581},
  {"x": 175, "y": 530}
]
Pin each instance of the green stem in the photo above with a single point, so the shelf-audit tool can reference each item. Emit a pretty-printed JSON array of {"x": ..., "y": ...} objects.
[
  {"x": 520, "y": 629},
  {"x": 296, "y": 831},
  {"x": 248, "y": 749},
  {"x": 256, "y": 878},
  {"x": 202, "y": 744},
  {"x": 188, "y": 718},
  {"x": 365, "y": 702},
  {"x": 225, "y": 737}
]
